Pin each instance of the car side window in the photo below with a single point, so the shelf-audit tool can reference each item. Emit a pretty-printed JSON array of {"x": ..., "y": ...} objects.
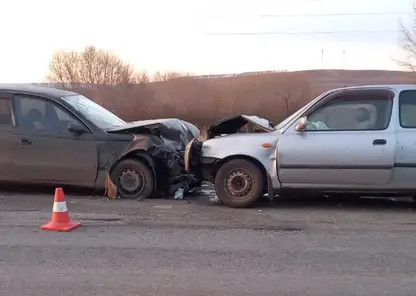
[
  {"x": 5, "y": 111},
  {"x": 407, "y": 109},
  {"x": 352, "y": 113},
  {"x": 38, "y": 114}
]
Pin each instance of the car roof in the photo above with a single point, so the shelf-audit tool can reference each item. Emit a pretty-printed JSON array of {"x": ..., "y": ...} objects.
[
  {"x": 397, "y": 87},
  {"x": 28, "y": 88}
]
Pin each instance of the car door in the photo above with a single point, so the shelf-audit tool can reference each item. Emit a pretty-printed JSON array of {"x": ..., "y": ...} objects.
[
  {"x": 48, "y": 153},
  {"x": 349, "y": 143},
  {"x": 405, "y": 156},
  {"x": 8, "y": 139}
]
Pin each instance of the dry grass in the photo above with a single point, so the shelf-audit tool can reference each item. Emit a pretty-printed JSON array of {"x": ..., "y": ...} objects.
[{"x": 203, "y": 101}]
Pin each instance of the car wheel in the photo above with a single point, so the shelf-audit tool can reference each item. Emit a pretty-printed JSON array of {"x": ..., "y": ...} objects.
[
  {"x": 134, "y": 179},
  {"x": 239, "y": 183}
]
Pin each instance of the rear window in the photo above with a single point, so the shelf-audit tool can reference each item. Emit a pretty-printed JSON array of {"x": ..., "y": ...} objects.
[{"x": 407, "y": 109}]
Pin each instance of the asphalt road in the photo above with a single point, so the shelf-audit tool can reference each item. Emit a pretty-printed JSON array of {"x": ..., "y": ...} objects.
[{"x": 161, "y": 247}]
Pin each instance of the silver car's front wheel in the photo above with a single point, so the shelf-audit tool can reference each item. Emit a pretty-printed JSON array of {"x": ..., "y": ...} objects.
[{"x": 239, "y": 183}]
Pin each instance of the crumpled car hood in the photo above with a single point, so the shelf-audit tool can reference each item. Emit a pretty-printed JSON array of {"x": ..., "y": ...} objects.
[
  {"x": 231, "y": 125},
  {"x": 175, "y": 132},
  {"x": 162, "y": 142}
]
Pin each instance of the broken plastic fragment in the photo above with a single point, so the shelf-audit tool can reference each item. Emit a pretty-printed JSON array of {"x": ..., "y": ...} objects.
[
  {"x": 179, "y": 193},
  {"x": 215, "y": 200},
  {"x": 110, "y": 188}
]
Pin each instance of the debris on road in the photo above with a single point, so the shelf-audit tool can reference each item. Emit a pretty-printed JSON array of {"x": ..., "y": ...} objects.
[
  {"x": 215, "y": 200},
  {"x": 179, "y": 194}
]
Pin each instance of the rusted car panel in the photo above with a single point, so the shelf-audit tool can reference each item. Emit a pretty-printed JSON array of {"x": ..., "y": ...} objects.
[
  {"x": 353, "y": 140},
  {"x": 161, "y": 143},
  {"x": 60, "y": 137}
]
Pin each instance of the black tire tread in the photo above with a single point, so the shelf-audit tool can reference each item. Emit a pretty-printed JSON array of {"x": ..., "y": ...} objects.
[
  {"x": 248, "y": 166},
  {"x": 144, "y": 168}
]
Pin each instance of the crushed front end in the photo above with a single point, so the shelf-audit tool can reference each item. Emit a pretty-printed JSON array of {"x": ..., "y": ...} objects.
[
  {"x": 164, "y": 142},
  {"x": 203, "y": 166}
]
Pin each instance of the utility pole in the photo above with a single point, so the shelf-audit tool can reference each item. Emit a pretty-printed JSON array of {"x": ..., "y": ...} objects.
[
  {"x": 344, "y": 58},
  {"x": 322, "y": 58}
]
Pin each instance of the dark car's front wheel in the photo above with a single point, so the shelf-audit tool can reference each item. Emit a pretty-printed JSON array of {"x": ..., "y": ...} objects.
[
  {"x": 134, "y": 179},
  {"x": 239, "y": 183}
]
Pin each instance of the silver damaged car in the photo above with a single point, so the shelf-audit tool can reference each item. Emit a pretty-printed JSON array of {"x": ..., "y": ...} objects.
[{"x": 355, "y": 140}]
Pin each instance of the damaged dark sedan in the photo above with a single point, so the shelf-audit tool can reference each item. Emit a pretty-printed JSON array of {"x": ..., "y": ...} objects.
[{"x": 56, "y": 137}]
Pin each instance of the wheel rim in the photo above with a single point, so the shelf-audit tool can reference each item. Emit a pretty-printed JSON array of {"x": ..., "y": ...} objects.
[
  {"x": 131, "y": 182},
  {"x": 239, "y": 184}
]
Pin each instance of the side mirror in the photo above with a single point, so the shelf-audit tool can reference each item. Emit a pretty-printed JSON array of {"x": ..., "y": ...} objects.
[
  {"x": 76, "y": 128},
  {"x": 301, "y": 124}
]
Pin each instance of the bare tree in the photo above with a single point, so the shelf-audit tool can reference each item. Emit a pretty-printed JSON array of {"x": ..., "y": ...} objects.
[
  {"x": 408, "y": 44},
  {"x": 165, "y": 76},
  {"x": 285, "y": 95},
  {"x": 141, "y": 77},
  {"x": 91, "y": 66}
]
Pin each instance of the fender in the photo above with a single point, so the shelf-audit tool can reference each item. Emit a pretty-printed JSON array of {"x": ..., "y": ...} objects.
[
  {"x": 268, "y": 177},
  {"x": 138, "y": 153}
]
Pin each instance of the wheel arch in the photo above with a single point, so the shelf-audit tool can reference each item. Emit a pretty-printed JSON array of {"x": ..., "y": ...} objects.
[
  {"x": 140, "y": 155},
  {"x": 266, "y": 177}
]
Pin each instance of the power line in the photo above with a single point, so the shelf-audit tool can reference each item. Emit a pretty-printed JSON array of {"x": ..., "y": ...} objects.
[
  {"x": 308, "y": 15},
  {"x": 334, "y": 14},
  {"x": 303, "y": 33}
]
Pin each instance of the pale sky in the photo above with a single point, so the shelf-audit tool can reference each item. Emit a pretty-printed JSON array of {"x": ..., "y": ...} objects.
[{"x": 180, "y": 35}]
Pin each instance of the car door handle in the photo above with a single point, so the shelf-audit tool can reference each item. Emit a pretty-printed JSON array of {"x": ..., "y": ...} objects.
[
  {"x": 379, "y": 142},
  {"x": 25, "y": 141}
]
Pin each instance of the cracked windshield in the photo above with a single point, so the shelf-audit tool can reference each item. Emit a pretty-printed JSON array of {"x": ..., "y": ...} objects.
[{"x": 98, "y": 115}]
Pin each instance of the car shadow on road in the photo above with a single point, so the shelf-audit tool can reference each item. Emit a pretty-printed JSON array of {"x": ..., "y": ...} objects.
[
  {"x": 356, "y": 203},
  {"x": 301, "y": 202},
  {"x": 45, "y": 190}
]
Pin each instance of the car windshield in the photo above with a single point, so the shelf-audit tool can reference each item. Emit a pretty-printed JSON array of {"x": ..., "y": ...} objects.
[{"x": 95, "y": 113}]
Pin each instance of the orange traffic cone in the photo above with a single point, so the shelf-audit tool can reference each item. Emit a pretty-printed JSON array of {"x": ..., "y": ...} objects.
[{"x": 60, "y": 217}]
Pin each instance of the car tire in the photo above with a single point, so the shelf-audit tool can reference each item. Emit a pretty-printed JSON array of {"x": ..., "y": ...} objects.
[
  {"x": 239, "y": 183},
  {"x": 134, "y": 179}
]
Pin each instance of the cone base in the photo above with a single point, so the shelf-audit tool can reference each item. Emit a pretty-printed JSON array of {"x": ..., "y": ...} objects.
[{"x": 61, "y": 227}]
